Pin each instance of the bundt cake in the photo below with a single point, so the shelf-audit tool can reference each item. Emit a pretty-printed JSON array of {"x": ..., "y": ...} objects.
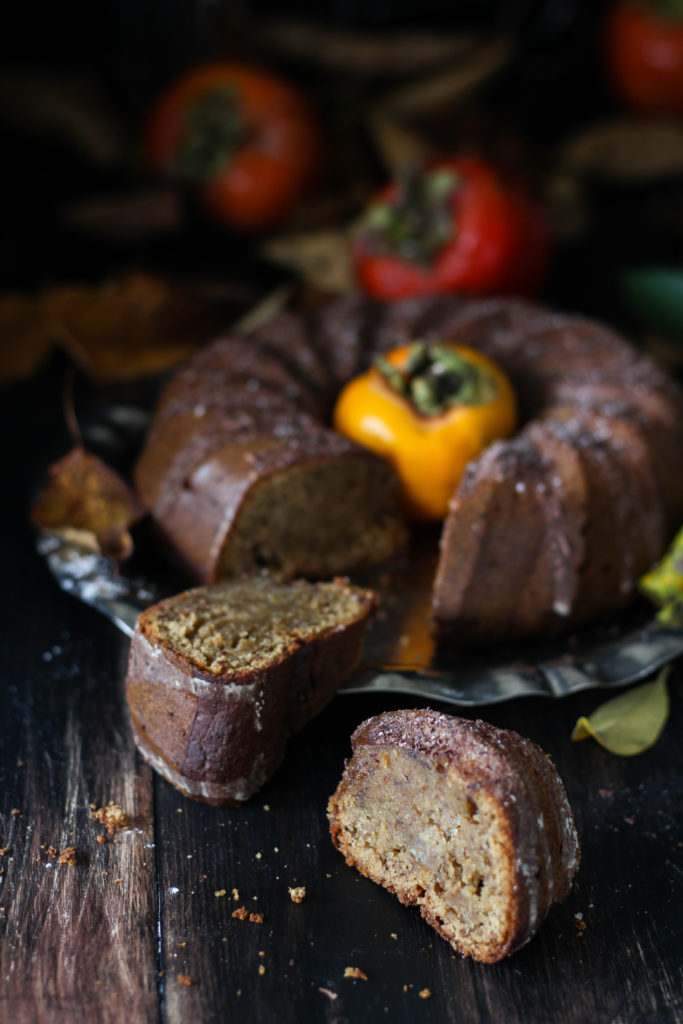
[
  {"x": 468, "y": 822},
  {"x": 546, "y": 530},
  {"x": 219, "y": 677}
]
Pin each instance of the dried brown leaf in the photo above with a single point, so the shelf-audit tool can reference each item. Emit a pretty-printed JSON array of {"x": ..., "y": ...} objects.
[
  {"x": 133, "y": 326},
  {"x": 366, "y": 54},
  {"x": 87, "y": 500},
  {"x": 626, "y": 150},
  {"x": 25, "y": 337},
  {"x": 132, "y": 216},
  {"x": 320, "y": 258}
]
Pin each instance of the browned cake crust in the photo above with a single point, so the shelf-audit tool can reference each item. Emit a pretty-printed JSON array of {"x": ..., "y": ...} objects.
[
  {"x": 469, "y": 822},
  {"x": 546, "y": 530},
  {"x": 220, "y": 677}
]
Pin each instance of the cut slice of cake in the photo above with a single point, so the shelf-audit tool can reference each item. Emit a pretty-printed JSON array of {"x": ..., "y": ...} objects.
[
  {"x": 469, "y": 822},
  {"x": 219, "y": 677}
]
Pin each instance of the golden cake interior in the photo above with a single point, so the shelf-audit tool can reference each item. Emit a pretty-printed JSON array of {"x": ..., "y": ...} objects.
[
  {"x": 319, "y": 519},
  {"x": 244, "y": 626},
  {"x": 410, "y": 825}
]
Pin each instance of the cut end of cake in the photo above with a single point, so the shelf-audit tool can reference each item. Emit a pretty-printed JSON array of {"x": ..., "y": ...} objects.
[
  {"x": 219, "y": 677},
  {"x": 467, "y": 822}
]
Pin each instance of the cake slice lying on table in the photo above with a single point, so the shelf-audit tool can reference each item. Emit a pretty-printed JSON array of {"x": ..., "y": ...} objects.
[
  {"x": 219, "y": 677},
  {"x": 469, "y": 822}
]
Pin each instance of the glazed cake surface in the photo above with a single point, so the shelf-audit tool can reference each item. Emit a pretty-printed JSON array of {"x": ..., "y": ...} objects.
[
  {"x": 468, "y": 822},
  {"x": 546, "y": 530}
]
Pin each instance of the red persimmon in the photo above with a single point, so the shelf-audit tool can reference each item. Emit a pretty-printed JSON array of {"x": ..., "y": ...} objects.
[
  {"x": 454, "y": 227},
  {"x": 245, "y": 140},
  {"x": 644, "y": 54}
]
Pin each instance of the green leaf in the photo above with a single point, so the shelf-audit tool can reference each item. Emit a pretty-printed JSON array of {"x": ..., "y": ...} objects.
[
  {"x": 654, "y": 295},
  {"x": 663, "y": 585},
  {"x": 630, "y": 723}
]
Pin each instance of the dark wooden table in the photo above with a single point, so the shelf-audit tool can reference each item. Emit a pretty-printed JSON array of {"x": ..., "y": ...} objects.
[{"x": 115, "y": 937}]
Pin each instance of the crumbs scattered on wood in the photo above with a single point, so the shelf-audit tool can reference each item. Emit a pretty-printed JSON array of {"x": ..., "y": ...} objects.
[
  {"x": 15, "y": 810},
  {"x": 112, "y": 817},
  {"x": 186, "y": 980},
  {"x": 297, "y": 893},
  {"x": 262, "y": 969},
  {"x": 355, "y": 972},
  {"x": 424, "y": 993},
  {"x": 68, "y": 856},
  {"x": 242, "y": 914},
  {"x": 220, "y": 892},
  {"x": 579, "y": 924}
]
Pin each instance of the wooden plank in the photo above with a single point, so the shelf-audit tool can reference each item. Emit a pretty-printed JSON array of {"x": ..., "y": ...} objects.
[{"x": 75, "y": 943}]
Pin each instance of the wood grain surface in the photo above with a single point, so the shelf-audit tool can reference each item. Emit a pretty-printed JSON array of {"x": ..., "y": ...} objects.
[{"x": 142, "y": 927}]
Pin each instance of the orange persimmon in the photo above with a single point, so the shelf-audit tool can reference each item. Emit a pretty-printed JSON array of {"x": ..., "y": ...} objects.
[{"x": 428, "y": 409}]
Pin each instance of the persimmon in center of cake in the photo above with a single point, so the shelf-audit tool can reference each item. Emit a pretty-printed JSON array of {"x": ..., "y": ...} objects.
[{"x": 429, "y": 409}]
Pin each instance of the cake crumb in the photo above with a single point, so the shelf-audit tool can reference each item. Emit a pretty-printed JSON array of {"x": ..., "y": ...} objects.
[
  {"x": 394, "y": 935},
  {"x": 329, "y": 993},
  {"x": 425, "y": 993},
  {"x": 220, "y": 892},
  {"x": 261, "y": 952},
  {"x": 15, "y": 810},
  {"x": 4, "y": 850},
  {"x": 101, "y": 839},
  {"x": 241, "y": 913},
  {"x": 355, "y": 972},
  {"x": 297, "y": 893},
  {"x": 68, "y": 856},
  {"x": 256, "y": 918},
  {"x": 266, "y": 807},
  {"x": 235, "y": 894},
  {"x": 580, "y": 925},
  {"x": 112, "y": 817},
  {"x": 262, "y": 968},
  {"x": 186, "y": 980}
]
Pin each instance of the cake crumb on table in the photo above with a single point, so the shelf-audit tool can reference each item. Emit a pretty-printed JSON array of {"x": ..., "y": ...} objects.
[
  {"x": 355, "y": 972},
  {"x": 112, "y": 817},
  {"x": 424, "y": 993},
  {"x": 186, "y": 980},
  {"x": 68, "y": 856},
  {"x": 262, "y": 968},
  {"x": 242, "y": 914},
  {"x": 297, "y": 893},
  {"x": 329, "y": 993},
  {"x": 220, "y": 892}
]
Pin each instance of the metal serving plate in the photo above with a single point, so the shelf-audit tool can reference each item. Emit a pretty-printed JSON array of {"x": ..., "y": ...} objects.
[{"x": 400, "y": 654}]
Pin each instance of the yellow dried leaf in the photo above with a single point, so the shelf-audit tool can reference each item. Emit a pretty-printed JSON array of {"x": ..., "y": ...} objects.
[
  {"x": 86, "y": 500},
  {"x": 663, "y": 585},
  {"x": 630, "y": 723}
]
